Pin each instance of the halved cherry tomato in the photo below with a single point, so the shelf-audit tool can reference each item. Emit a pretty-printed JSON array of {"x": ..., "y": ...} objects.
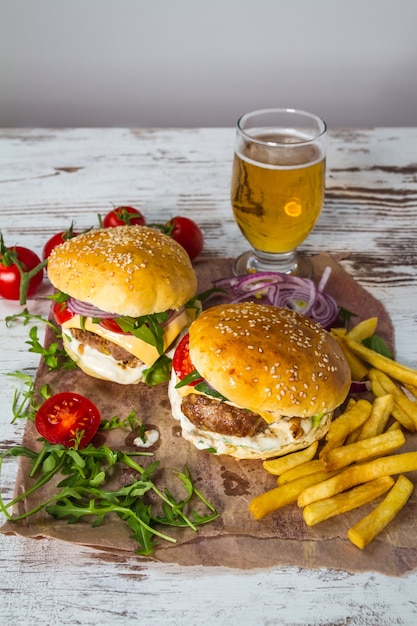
[
  {"x": 61, "y": 312},
  {"x": 57, "y": 240},
  {"x": 66, "y": 416},
  {"x": 10, "y": 276},
  {"x": 181, "y": 361},
  {"x": 123, "y": 215},
  {"x": 188, "y": 234}
]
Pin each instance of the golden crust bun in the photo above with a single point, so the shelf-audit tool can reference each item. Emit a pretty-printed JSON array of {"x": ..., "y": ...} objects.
[
  {"x": 265, "y": 358},
  {"x": 127, "y": 270}
]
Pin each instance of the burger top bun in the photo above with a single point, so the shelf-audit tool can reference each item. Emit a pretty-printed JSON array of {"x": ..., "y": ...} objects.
[
  {"x": 127, "y": 270},
  {"x": 269, "y": 359}
]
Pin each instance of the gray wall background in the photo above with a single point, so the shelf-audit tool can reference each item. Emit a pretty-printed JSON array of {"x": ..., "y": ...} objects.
[{"x": 204, "y": 63}]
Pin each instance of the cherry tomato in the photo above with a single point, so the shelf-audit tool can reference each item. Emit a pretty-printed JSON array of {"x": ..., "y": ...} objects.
[
  {"x": 123, "y": 215},
  {"x": 65, "y": 417},
  {"x": 10, "y": 276},
  {"x": 182, "y": 363},
  {"x": 187, "y": 234},
  {"x": 61, "y": 312},
  {"x": 57, "y": 240}
]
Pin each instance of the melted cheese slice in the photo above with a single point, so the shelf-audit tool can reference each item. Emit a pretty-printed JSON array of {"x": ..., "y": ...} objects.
[{"x": 139, "y": 348}]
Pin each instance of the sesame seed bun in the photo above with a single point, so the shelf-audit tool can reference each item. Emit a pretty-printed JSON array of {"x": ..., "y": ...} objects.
[
  {"x": 127, "y": 270},
  {"x": 269, "y": 359},
  {"x": 281, "y": 377}
]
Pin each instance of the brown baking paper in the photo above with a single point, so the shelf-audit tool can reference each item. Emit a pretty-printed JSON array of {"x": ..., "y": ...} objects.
[{"x": 235, "y": 539}]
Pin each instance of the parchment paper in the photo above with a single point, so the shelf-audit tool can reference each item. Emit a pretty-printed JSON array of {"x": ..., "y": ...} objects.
[{"x": 235, "y": 539}]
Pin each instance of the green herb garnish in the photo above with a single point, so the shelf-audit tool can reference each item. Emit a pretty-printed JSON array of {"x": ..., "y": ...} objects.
[
  {"x": 346, "y": 315},
  {"x": 147, "y": 327},
  {"x": 83, "y": 492},
  {"x": 377, "y": 344},
  {"x": 205, "y": 388},
  {"x": 23, "y": 400},
  {"x": 159, "y": 372},
  {"x": 54, "y": 356}
]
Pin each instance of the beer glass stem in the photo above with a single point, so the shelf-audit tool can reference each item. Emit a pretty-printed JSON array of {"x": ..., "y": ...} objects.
[{"x": 286, "y": 263}]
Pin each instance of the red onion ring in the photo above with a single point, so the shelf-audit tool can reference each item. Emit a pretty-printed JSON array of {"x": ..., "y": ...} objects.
[
  {"x": 286, "y": 291},
  {"x": 89, "y": 310},
  {"x": 360, "y": 386}
]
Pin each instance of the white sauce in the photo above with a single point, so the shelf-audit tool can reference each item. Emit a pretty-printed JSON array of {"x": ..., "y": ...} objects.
[
  {"x": 151, "y": 437},
  {"x": 104, "y": 366}
]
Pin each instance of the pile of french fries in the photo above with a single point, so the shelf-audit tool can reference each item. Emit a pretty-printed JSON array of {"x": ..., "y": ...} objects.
[{"x": 360, "y": 457}]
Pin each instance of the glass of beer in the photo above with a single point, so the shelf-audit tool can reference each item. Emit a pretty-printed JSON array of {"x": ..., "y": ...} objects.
[{"x": 278, "y": 184}]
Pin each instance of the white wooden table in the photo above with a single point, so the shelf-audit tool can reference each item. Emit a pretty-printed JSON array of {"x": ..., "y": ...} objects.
[{"x": 49, "y": 178}]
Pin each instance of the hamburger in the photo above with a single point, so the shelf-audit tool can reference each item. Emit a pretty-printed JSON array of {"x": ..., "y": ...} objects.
[
  {"x": 124, "y": 296},
  {"x": 255, "y": 381}
]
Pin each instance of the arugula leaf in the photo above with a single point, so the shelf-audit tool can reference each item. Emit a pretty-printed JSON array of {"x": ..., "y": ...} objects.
[
  {"x": 82, "y": 492},
  {"x": 188, "y": 379},
  {"x": 27, "y": 318},
  {"x": 346, "y": 315},
  {"x": 209, "y": 391},
  {"x": 159, "y": 372},
  {"x": 58, "y": 296},
  {"x": 130, "y": 421},
  {"x": 54, "y": 356},
  {"x": 147, "y": 327},
  {"x": 23, "y": 400},
  {"x": 202, "y": 386}
]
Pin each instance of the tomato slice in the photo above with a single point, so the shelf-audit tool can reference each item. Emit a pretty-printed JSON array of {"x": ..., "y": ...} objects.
[
  {"x": 66, "y": 416},
  {"x": 61, "y": 312},
  {"x": 181, "y": 361},
  {"x": 111, "y": 324}
]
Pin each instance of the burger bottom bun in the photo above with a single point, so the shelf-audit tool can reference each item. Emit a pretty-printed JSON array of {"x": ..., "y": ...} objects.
[
  {"x": 102, "y": 366},
  {"x": 276, "y": 440}
]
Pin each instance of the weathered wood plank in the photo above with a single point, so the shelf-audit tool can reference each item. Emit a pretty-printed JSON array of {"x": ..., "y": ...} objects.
[{"x": 49, "y": 178}]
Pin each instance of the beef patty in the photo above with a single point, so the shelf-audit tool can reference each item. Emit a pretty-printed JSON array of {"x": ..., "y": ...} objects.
[
  {"x": 220, "y": 417},
  {"x": 103, "y": 345}
]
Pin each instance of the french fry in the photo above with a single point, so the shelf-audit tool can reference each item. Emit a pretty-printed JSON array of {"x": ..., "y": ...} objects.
[
  {"x": 412, "y": 390},
  {"x": 377, "y": 446},
  {"x": 311, "y": 467},
  {"x": 357, "y": 474},
  {"x": 350, "y": 403},
  {"x": 397, "y": 413},
  {"x": 362, "y": 533},
  {"x": 394, "y": 426},
  {"x": 353, "y": 436},
  {"x": 347, "y": 422},
  {"x": 283, "y": 494},
  {"x": 406, "y": 405},
  {"x": 363, "y": 329},
  {"x": 402, "y": 373},
  {"x": 287, "y": 462},
  {"x": 341, "y": 503},
  {"x": 338, "y": 332},
  {"x": 381, "y": 411},
  {"x": 358, "y": 369}
]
